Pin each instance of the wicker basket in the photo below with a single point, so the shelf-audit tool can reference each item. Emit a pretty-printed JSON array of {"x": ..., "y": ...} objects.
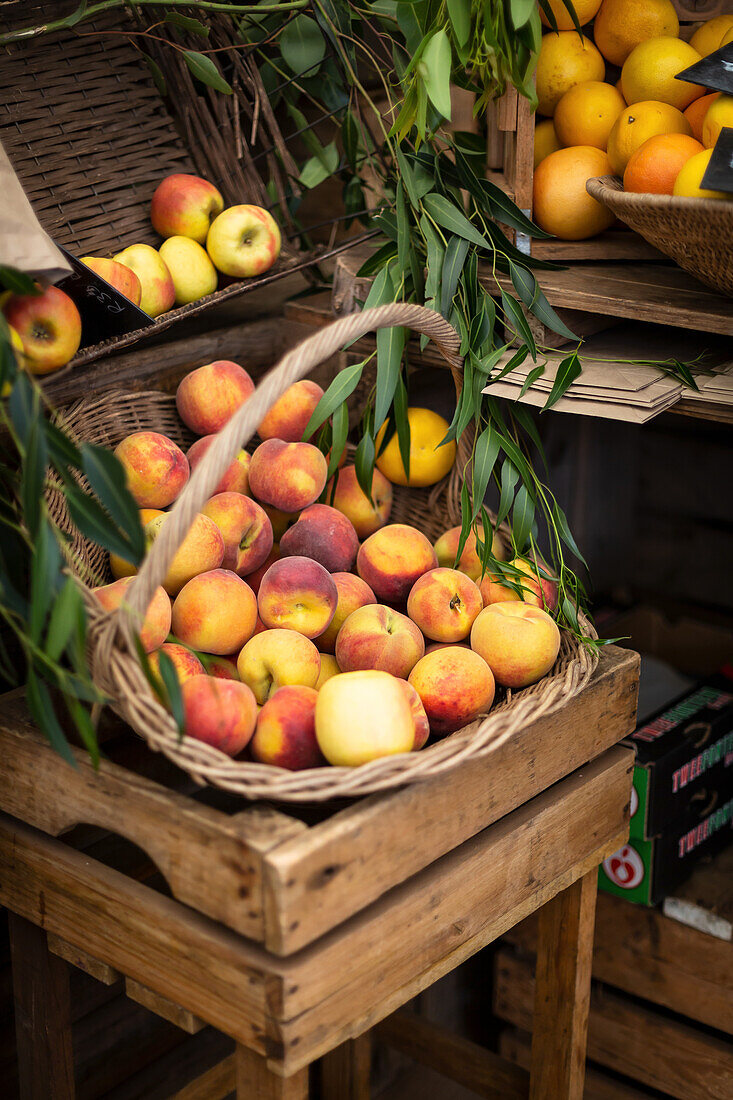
[
  {"x": 113, "y": 661},
  {"x": 695, "y": 233}
]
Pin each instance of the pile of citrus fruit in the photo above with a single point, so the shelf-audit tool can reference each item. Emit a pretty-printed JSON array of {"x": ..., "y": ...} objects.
[{"x": 612, "y": 106}]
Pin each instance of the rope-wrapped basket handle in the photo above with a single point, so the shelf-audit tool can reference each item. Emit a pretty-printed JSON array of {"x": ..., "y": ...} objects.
[{"x": 295, "y": 365}]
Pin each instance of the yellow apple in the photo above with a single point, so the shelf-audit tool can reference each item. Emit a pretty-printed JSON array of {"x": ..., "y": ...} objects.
[
  {"x": 158, "y": 292},
  {"x": 193, "y": 274},
  {"x": 243, "y": 241}
]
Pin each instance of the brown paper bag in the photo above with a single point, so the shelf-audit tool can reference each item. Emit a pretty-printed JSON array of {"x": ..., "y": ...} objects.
[{"x": 23, "y": 243}]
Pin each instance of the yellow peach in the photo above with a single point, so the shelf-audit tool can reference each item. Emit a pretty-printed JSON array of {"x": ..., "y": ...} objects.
[
  {"x": 518, "y": 641},
  {"x": 221, "y": 713},
  {"x": 375, "y": 636},
  {"x": 444, "y": 604},
  {"x": 289, "y": 416},
  {"x": 278, "y": 658},
  {"x": 324, "y": 534},
  {"x": 215, "y": 611},
  {"x": 185, "y": 663},
  {"x": 366, "y": 515},
  {"x": 297, "y": 594},
  {"x": 329, "y": 668},
  {"x": 120, "y": 567},
  {"x": 455, "y": 686},
  {"x": 285, "y": 735},
  {"x": 236, "y": 477},
  {"x": 245, "y": 528},
  {"x": 156, "y": 469},
  {"x": 419, "y": 717},
  {"x": 289, "y": 476},
  {"x": 222, "y": 668},
  {"x": 392, "y": 559},
  {"x": 446, "y": 549},
  {"x": 361, "y": 716},
  {"x": 157, "y": 622},
  {"x": 353, "y": 593},
  {"x": 209, "y": 396},
  {"x": 202, "y": 549}
]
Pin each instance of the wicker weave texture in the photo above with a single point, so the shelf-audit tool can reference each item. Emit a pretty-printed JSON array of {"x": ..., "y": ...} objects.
[
  {"x": 696, "y": 233},
  {"x": 115, "y": 666}
]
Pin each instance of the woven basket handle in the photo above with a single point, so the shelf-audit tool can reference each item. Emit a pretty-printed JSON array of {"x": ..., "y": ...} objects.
[{"x": 297, "y": 364}]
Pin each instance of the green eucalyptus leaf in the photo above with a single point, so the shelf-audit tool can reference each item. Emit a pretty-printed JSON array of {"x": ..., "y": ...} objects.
[
  {"x": 157, "y": 74},
  {"x": 23, "y": 405},
  {"x": 62, "y": 619},
  {"x": 521, "y": 10},
  {"x": 204, "y": 69},
  {"x": 447, "y": 215},
  {"x": 382, "y": 289},
  {"x": 406, "y": 177},
  {"x": 34, "y": 474},
  {"x": 567, "y": 372},
  {"x": 85, "y": 727},
  {"x": 17, "y": 281},
  {"x": 514, "y": 314},
  {"x": 40, "y": 705},
  {"x": 339, "y": 435},
  {"x": 364, "y": 463},
  {"x": 187, "y": 23},
  {"x": 350, "y": 140},
  {"x": 302, "y": 45},
  {"x": 455, "y": 257},
  {"x": 402, "y": 423},
  {"x": 484, "y": 459},
  {"x": 376, "y": 262},
  {"x": 435, "y": 69},
  {"x": 403, "y": 228},
  {"x": 522, "y": 518},
  {"x": 172, "y": 685},
  {"x": 45, "y": 567},
  {"x": 459, "y": 13},
  {"x": 93, "y": 521},
  {"x": 565, "y": 533},
  {"x": 509, "y": 479},
  {"x": 465, "y": 520},
  {"x": 106, "y": 476},
  {"x": 320, "y": 167},
  {"x": 529, "y": 290},
  {"x": 337, "y": 393},
  {"x": 531, "y": 378},
  {"x": 390, "y": 347}
]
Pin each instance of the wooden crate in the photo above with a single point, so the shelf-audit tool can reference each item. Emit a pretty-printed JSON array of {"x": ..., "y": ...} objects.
[{"x": 510, "y": 161}]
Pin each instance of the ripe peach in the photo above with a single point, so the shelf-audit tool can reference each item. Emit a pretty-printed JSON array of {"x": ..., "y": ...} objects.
[
  {"x": 158, "y": 293},
  {"x": 419, "y": 717},
  {"x": 185, "y": 205},
  {"x": 275, "y": 659},
  {"x": 236, "y": 477},
  {"x": 183, "y": 660},
  {"x": 210, "y": 395},
  {"x": 297, "y": 594},
  {"x": 361, "y": 716},
  {"x": 280, "y": 521},
  {"x": 392, "y": 559},
  {"x": 48, "y": 325},
  {"x": 201, "y": 550},
  {"x": 447, "y": 546},
  {"x": 286, "y": 730},
  {"x": 289, "y": 476},
  {"x": 157, "y": 622},
  {"x": 117, "y": 275},
  {"x": 519, "y": 642},
  {"x": 455, "y": 686},
  {"x": 246, "y": 530},
  {"x": 367, "y": 516},
  {"x": 289, "y": 416},
  {"x": 329, "y": 668},
  {"x": 215, "y": 611},
  {"x": 538, "y": 591},
  {"x": 222, "y": 713},
  {"x": 353, "y": 592},
  {"x": 324, "y": 534},
  {"x": 120, "y": 567},
  {"x": 155, "y": 468},
  {"x": 222, "y": 668},
  {"x": 444, "y": 604},
  {"x": 254, "y": 580},
  {"x": 375, "y": 636}
]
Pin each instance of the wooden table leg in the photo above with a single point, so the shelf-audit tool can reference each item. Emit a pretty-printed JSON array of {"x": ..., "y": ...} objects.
[
  {"x": 255, "y": 1081},
  {"x": 346, "y": 1071},
  {"x": 562, "y": 992},
  {"x": 42, "y": 1014}
]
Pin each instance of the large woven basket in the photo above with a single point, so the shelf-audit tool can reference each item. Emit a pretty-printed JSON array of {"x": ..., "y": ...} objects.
[
  {"x": 115, "y": 667},
  {"x": 695, "y": 233}
]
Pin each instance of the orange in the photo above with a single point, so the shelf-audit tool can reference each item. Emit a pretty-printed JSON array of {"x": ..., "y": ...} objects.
[
  {"x": 637, "y": 124},
  {"x": 709, "y": 37},
  {"x": 565, "y": 59},
  {"x": 584, "y": 9},
  {"x": 695, "y": 113},
  {"x": 650, "y": 69},
  {"x": 654, "y": 167},
  {"x": 545, "y": 140},
  {"x": 561, "y": 204},
  {"x": 587, "y": 112},
  {"x": 429, "y": 462},
  {"x": 622, "y": 24},
  {"x": 690, "y": 178},
  {"x": 720, "y": 114}
]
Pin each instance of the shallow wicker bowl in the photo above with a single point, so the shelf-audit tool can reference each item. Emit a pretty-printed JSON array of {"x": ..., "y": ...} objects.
[
  {"x": 695, "y": 233},
  {"x": 115, "y": 667}
]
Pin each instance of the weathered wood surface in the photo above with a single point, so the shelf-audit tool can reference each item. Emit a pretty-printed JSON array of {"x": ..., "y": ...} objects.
[
  {"x": 256, "y": 1081},
  {"x": 516, "y": 1046},
  {"x": 346, "y": 1071},
  {"x": 82, "y": 960},
  {"x": 662, "y": 1053},
  {"x": 216, "y": 1084},
  {"x": 162, "y": 1007}
]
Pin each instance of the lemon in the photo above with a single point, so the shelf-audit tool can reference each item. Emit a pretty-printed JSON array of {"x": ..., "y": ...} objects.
[
  {"x": 545, "y": 140},
  {"x": 565, "y": 59},
  {"x": 429, "y": 462},
  {"x": 650, "y": 70},
  {"x": 690, "y": 177},
  {"x": 720, "y": 114},
  {"x": 709, "y": 37}
]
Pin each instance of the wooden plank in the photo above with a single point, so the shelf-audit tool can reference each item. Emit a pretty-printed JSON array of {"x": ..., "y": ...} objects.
[
  {"x": 211, "y": 861},
  {"x": 615, "y": 244},
  {"x": 486, "y": 1074},
  {"x": 215, "y": 1084},
  {"x": 643, "y": 952},
  {"x": 162, "y": 1007},
  {"x": 42, "y": 1015},
  {"x": 705, "y": 901},
  {"x": 83, "y": 961},
  {"x": 336, "y": 868},
  {"x": 346, "y": 1071},
  {"x": 562, "y": 992},
  {"x": 684, "y": 1062},
  {"x": 256, "y": 1081}
]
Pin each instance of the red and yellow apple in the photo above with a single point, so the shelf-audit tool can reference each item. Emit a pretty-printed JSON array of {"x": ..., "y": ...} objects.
[
  {"x": 202, "y": 549},
  {"x": 286, "y": 730},
  {"x": 444, "y": 603},
  {"x": 289, "y": 476},
  {"x": 48, "y": 325},
  {"x": 235, "y": 478},
  {"x": 209, "y": 396},
  {"x": 518, "y": 641},
  {"x": 222, "y": 713},
  {"x": 185, "y": 205},
  {"x": 215, "y": 611},
  {"x": 455, "y": 686},
  {"x": 353, "y": 593},
  {"x": 367, "y": 516},
  {"x": 361, "y": 716},
  {"x": 275, "y": 659},
  {"x": 245, "y": 528},
  {"x": 392, "y": 559},
  {"x": 156, "y": 469},
  {"x": 117, "y": 275},
  {"x": 324, "y": 534},
  {"x": 297, "y": 594},
  {"x": 157, "y": 622},
  {"x": 158, "y": 293},
  {"x": 193, "y": 274},
  {"x": 375, "y": 636},
  {"x": 243, "y": 241},
  {"x": 289, "y": 416}
]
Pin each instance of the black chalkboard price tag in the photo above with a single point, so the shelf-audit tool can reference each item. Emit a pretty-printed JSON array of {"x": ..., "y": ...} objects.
[
  {"x": 105, "y": 313},
  {"x": 719, "y": 172},
  {"x": 714, "y": 71}
]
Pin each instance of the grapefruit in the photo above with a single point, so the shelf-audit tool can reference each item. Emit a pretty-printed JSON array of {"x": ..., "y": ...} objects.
[
  {"x": 586, "y": 113},
  {"x": 654, "y": 167},
  {"x": 622, "y": 24},
  {"x": 650, "y": 69},
  {"x": 566, "y": 58},
  {"x": 561, "y": 204},
  {"x": 637, "y": 124}
]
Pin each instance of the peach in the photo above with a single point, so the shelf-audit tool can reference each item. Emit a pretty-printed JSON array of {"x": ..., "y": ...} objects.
[
  {"x": 157, "y": 622},
  {"x": 120, "y": 567},
  {"x": 286, "y": 730},
  {"x": 518, "y": 641},
  {"x": 361, "y": 716},
  {"x": 117, "y": 275},
  {"x": 222, "y": 668},
  {"x": 289, "y": 476},
  {"x": 455, "y": 686},
  {"x": 280, "y": 521},
  {"x": 392, "y": 559},
  {"x": 235, "y": 478},
  {"x": 297, "y": 594},
  {"x": 367, "y": 516},
  {"x": 48, "y": 325},
  {"x": 245, "y": 528},
  {"x": 329, "y": 668},
  {"x": 538, "y": 591},
  {"x": 185, "y": 663},
  {"x": 185, "y": 205},
  {"x": 353, "y": 593},
  {"x": 156, "y": 469},
  {"x": 201, "y": 550},
  {"x": 444, "y": 604},
  {"x": 210, "y": 395},
  {"x": 158, "y": 293},
  {"x": 254, "y": 580},
  {"x": 324, "y": 534},
  {"x": 470, "y": 563},
  {"x": 275, "y": 659},
  {"x": 222, "y": 713},
  {"x": 419, "y": 717},
  {"x": 289, "y": 416},
  {"x": 215, "y": 611},
  {"x": 375, "y": 636}
]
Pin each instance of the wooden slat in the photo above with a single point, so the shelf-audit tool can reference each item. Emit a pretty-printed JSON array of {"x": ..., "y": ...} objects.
[
  {"x": 82, "y": 960},
  {"x": 256, "y": 1081},
  {"x": 215, "y": 1084},
  {"x": 345, "y": 1071},
  {"x": 684, "y": 1062},
  {"x": 486, "y": 1074},
  {"x": 162, "y": 1007},
  {"x": 336, "y": 868}
]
